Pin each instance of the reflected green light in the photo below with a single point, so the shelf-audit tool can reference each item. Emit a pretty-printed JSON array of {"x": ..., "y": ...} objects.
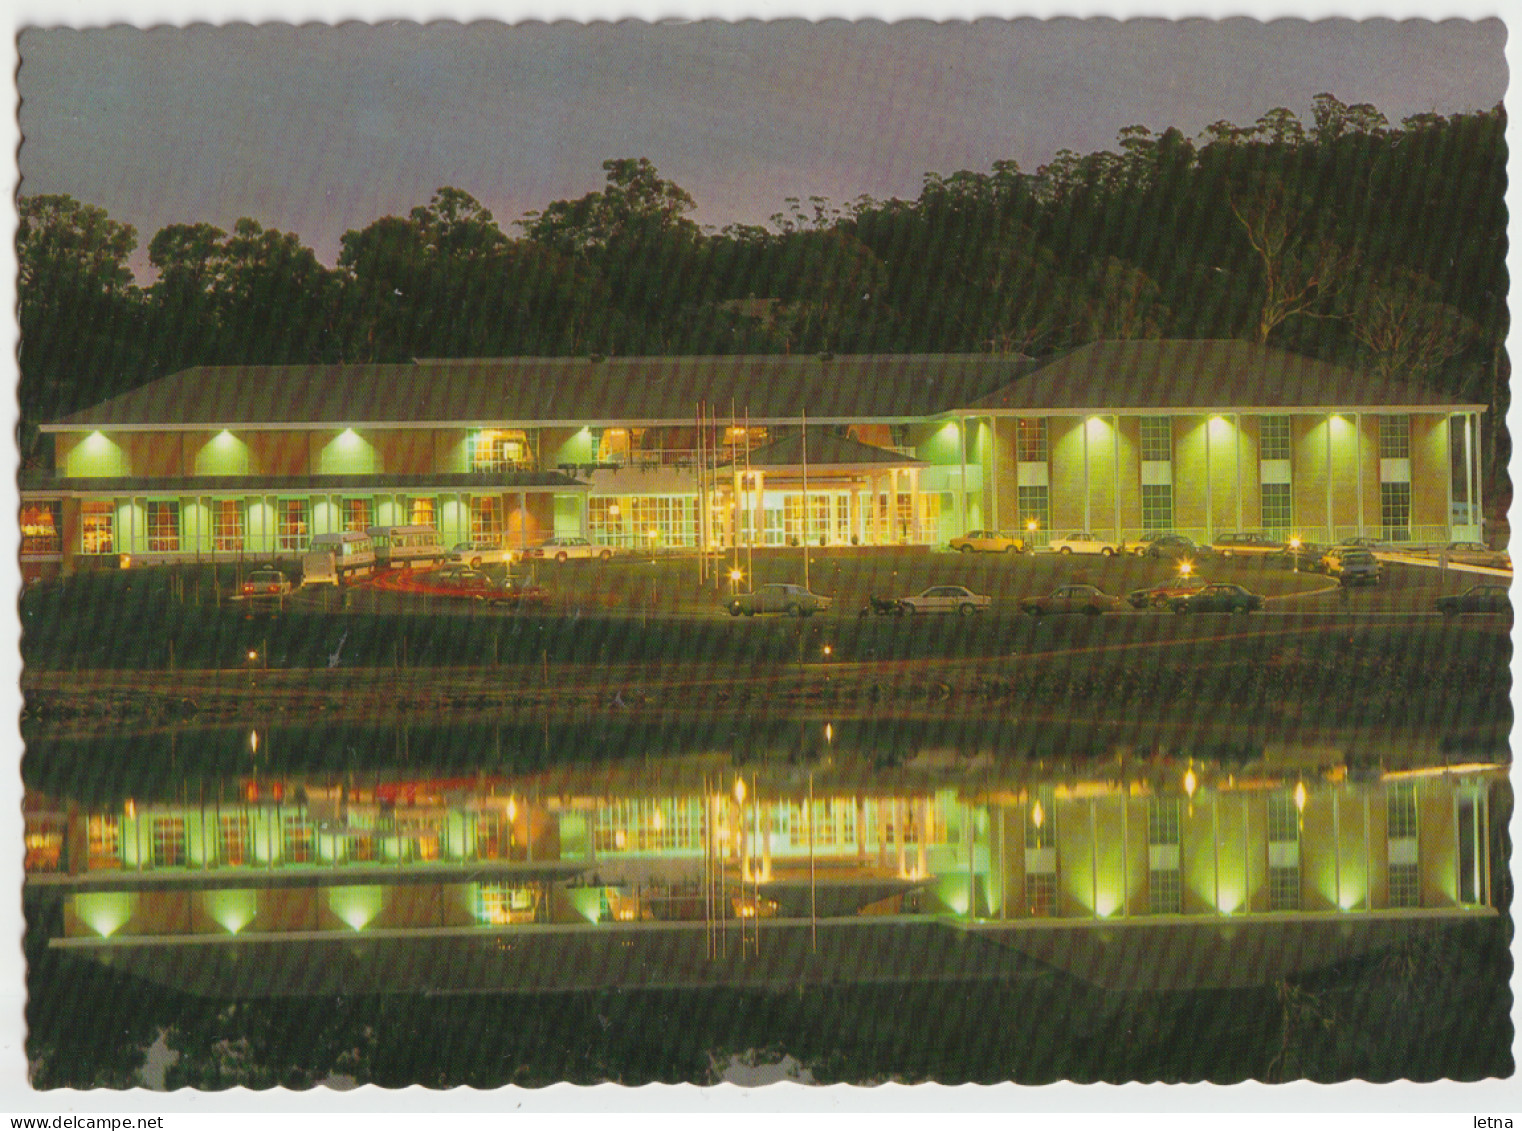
[
  {"x": 587, "y": 901},
  {"x": 357, "y": 905},
  {"x": 104, "y": 911},
  {"x": 232, "y": 909}
]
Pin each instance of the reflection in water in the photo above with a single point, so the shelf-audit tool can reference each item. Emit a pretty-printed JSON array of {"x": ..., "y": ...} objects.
[{"x": 478, "y": 880}]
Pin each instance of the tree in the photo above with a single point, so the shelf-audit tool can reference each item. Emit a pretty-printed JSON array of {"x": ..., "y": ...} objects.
[
  {"x": 1301, "y": 268},
  {"x": 1406, "y": 329},
  {"x": 79, "y": 309}
]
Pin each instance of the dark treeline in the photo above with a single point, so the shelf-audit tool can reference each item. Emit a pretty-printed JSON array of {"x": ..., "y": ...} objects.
[{"x": 1347, "y": 239}]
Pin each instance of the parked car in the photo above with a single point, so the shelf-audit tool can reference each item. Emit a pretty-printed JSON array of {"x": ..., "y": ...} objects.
[
  {"x": 1351, "y": 565},
  {"x": 1218, "y": 598},
  {"x": 516, "y": 594},
  {"x": 988, "y": 542},
  {"x": 1082, "y": 542},
  {"x": 794, "y": 600},
  {"x": 1142, "y": 544},
  {"x": 1477, "y": 554},
  {"x": 463, "y": 581},
  {"x": 1071, "y": 599},
  {"x": 946, "y": 599},
  {"x": 566, "y": 549},
  {"x": 480, "y": 551},
  {"x": 1306, "y": 557},
  {"x": 1362, "y": 543},
  {"x": 1244, "y": 543},
  {"x": 1157, "y": 596},
  {"x": 266, "y": 582},
  {"x": 1173, "y": 547},
  {"x": 1476, "y": 599}
]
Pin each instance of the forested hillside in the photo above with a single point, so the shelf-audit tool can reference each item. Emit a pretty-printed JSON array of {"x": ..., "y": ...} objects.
[{"x": 1346, "y": 238}]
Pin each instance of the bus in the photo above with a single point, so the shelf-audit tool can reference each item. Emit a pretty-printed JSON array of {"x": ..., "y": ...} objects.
[
  {"x": 402, "y": 547},
  {"x": 335, "y": 559}
]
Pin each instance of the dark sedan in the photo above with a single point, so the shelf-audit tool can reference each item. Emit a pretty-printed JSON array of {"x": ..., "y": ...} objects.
[
  {"x": 1083, "y": 599},
  {"x": 1218, "y": 598},
  {"x": 1477, "y": 599},
  {"x": 1157, "y": 596}
]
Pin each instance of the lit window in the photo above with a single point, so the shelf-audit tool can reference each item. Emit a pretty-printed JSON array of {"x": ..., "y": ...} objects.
[
  {"x": 500, "y": 903},
  {"x": 357, "y": 515},
  {"x": 1283, "y": 819},
  {"x": 292, "y": 531},
  {"x": 296, "y": 840},
  {"x": 1034, "y": 506},
  {"x": 422, "y": 511},
  {"x": 1041, "y": 893},
  {"x": 168, "y": 842},
  {"x": 1165, "y": 891},
  {"x": 486, "y": 518},
  {"x": 235, "y": 840},
  {"x": 227, "y": 524},
  {"x": 97, "y": 523},
  {"x": 1283, "y": 888},
  {"x": 163, "y": 527},
  {"x": 40, "y": 523},
  {"x": 105, "y": 845},
  {"x": 1163, "y": 821},
  {"x": 500, "y": 450}
]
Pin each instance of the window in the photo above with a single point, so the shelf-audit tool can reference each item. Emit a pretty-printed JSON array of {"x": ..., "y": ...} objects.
[
  {"x": 168, "y": 842},
  {"x": 499, "y": 450},
  {"x": 163, "y": 527},
  {"x": 1277, "y": 507},
  {"x": 1394, "y": 437},
  {"x": 1041, "y": 819},
  {"x": 227, "y": 524},
  {"x": 1395, "y": 511},
  {"x": 1283, "y": 888},
  {"x": 105, "y": 843},
  {"x": 1041, "y": 893},
  {"x": 499, "y": 903},
  {"x": 40, "y": 524},
  {"x": 1405, "y": 885},
  {"x": 486, "y": 518},
  {"x": 1157, "y": 506},
  {"x": 296, "y": 840},
  {"x": 422, "y": 511},
  {"x": 1400, "y": 811},
  {"x": 1156, "y": 438},
  {"x": 291, "y": 527},
  {"x": 1273, "y": 437},
  {"x": 1163, "y": 822},
  {"x": 235, "y": 840},
  {"x": 1165, "y": 891},
  {"x": 356, "y": 514},
  {"x": 1033, "y": 505},
  {"x": 1030, "y": 439},
  {"x": 1472, "y": 854},
  {"x": 97, "y": 523},
  {"x": 1283, "y": 819},
  {"x": 649, "y": 824}
]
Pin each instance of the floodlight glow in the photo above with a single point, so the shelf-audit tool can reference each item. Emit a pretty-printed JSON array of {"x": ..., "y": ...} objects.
[{"x": 356, "y": 905}]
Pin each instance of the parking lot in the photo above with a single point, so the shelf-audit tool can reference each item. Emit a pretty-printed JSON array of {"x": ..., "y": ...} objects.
[{"x": 673, "y": 586}]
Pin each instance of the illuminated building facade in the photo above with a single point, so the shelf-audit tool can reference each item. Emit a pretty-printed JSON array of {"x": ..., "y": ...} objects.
[
  {"x": 650, "y": 453},
  {"x": 766, "y": 860}
]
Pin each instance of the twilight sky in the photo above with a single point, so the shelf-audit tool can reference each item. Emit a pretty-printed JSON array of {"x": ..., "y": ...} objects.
[{"x": 318, "y": 130}]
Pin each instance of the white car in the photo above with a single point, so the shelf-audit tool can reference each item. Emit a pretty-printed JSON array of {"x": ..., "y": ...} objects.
[
  {"x": 570, "y": 549},
  {"x": 481, "y": 551},
  {"x": 1082, "y": 542},
  {"x": 946, "y": 599}
]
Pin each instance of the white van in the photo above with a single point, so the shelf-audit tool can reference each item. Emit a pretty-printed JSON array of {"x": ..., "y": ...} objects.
[
  {"x": 335, "y": 559},
  {"x": 402, "y": 547}
]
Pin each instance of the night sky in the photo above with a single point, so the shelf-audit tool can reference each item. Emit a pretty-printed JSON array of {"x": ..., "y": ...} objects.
[{"x": 320, "y": 129}]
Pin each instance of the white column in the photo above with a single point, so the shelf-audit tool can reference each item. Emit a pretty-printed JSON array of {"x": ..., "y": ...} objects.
[
  {"x": 962, "y": 443},
  {"x": 1358, "y": 470},
  {"x": 1236, "y": 446},
  {"x": 1209, "y": 509},
  {"x": 1329, "y": 419},
  {"x": 1115, "y": 478},
  {"x": 1084, "y": 424}
]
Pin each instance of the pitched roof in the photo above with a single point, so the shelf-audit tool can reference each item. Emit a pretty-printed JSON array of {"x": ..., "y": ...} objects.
[
  {"x": 1201, "y": 376},
  {"x": 556, "y": 391},
  {"x": 826, "y": 450}
]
